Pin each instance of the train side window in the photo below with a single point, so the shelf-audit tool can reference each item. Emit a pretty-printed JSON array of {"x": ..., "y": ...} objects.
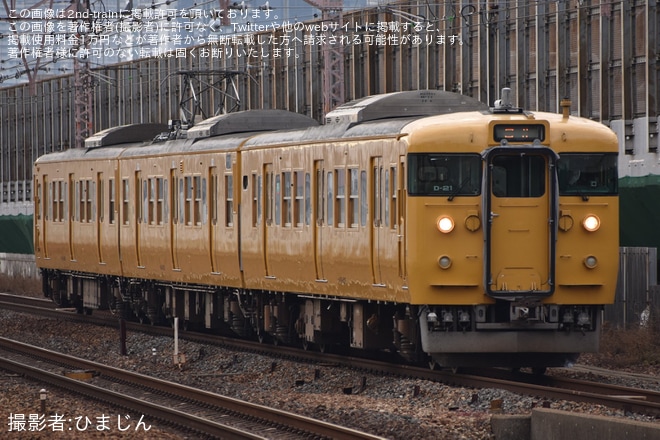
[
  {"x": 77, "y": 200},
  {"x": 205, "y": 202},
  {"x": 188, "y": 197},
  {"x": 278, "y": 200},
  {"x": 364, "y": 200},
  {"x": 213, "y": 196},
  {"x": 341, "y": 197},
  {"x": 174, "y": 198},
  {"x": 386, "y": 198},
  {"x": 308, "y": 199},
  {"x": 392, "y": 197},
  {"x": 377, "y": 183},
  {"x": 111, "y": 201},
  {"x": 256, "y": 208},
  {"x": 320, "y": 195},
  {"x": 152, "y": 215},
  {"x": 145, "y": 201},
  {"x": 330, "y": 199},
  {"x": 101, "y": 198},
  {"x": 353, "y": 198},
  {"x": 299, "y": 184},
  {"x": 91, "y": 200},
  {"x": 197, "y": 203},
  {"x": 51, "y": 206},
  {"x": 163, "y": 199},
  {"x": 287, "y": 190},
  {"x": 63, "y": 208},
  {"x": 125, "y": 200},
  {"x": 183, "y": 212},
  {"x": 229, "y": 200},
  {"x": 269, "y": 195}
]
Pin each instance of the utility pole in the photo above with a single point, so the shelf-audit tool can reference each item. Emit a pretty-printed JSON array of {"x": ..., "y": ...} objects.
[
  {"x": 82, "y": 80},
  {"x": 333, "y": 54}
]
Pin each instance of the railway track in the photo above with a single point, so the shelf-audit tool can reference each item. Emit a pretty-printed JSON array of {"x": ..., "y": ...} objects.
[
  {"x": 186, "y": 408},
  {"x": 633, "y": 400}
]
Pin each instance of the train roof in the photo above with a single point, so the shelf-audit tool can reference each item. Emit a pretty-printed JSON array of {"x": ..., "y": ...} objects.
[{"x": 379, "y": 115}]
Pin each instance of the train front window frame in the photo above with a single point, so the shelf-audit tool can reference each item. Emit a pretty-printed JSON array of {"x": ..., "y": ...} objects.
[
  {"x": 588, "y": 174},
  {"x": 518, "y": 175},
  {"x": 444, "y": 174}
]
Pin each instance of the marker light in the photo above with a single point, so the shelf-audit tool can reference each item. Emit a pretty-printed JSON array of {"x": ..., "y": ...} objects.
[
  {"x": 591, "y": 223},
  {"x": 444, "y": 262},
  {"x": 445, "y": 224},
  {"x": 591, "y": 261}
]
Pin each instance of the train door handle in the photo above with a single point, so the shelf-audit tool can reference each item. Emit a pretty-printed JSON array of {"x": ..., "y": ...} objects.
[{"x": 493, "y": 215}]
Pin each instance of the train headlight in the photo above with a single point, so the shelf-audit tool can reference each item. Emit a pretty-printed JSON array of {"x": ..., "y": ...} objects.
[
  {"x": 445, "y": 224},
  {"x": 591, "y": 223},
  {"x": 591, "y": 262},
  {"x": 444, "y": 262}
]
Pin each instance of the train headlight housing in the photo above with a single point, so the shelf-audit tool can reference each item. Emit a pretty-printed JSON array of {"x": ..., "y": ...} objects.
[
  {"x": 445, "y": 224},
  {"x": 591, "y": 223},
  {"x": 591, "y": 261}
]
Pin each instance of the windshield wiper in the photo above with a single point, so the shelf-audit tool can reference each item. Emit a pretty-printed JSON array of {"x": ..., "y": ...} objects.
[{"x": 460, "y": 188}]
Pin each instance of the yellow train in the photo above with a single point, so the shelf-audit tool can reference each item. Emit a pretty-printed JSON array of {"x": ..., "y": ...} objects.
[{"x": 423, "y": 223}]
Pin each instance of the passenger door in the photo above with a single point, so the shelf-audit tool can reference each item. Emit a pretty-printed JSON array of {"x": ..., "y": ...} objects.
[
  {"x": 377, "y": 230},
  {"x": 521, "y": 200}
]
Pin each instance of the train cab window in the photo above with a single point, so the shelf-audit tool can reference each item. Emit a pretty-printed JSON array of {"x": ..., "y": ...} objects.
[
  {"x": 586, "y": 174},
  {"x": 448, "y": 175},
  {"x": 518, "y": 175}
]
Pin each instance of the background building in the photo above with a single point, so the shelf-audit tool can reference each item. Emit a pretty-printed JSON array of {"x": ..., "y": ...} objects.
[{"x": 601, "y": 55}]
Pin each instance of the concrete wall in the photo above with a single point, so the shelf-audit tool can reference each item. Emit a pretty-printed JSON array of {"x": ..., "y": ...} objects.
[
  {"x": 19, "y": 266},
  {"x": 550, "y": 424}
]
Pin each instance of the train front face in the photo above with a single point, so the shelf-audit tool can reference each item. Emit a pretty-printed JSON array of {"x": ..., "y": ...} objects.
[{"x": 512, "y": 236}]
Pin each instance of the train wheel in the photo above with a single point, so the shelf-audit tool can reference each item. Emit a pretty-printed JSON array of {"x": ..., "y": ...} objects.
[
  {"x": 433, "y": 365},
  {"x": 322, "y": 348},
  {"x": 306, "y": 345}
]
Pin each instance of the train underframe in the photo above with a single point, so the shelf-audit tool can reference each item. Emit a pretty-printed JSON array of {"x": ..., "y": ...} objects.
[{"x": 503, "y": 334}]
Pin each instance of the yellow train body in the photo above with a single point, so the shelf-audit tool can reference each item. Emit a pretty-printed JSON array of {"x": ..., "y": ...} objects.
[{"x": 456, "y": 236}]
